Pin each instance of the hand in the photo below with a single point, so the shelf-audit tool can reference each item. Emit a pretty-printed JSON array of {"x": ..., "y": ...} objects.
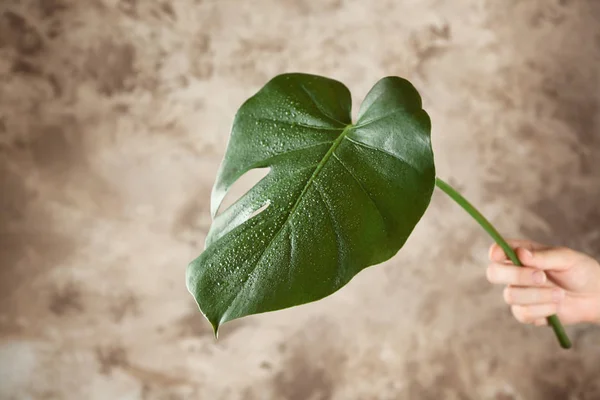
[{"x": 553, "y": 280}]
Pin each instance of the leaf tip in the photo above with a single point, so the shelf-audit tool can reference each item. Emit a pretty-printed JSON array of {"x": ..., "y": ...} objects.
[{"x": 215, "y": 326}]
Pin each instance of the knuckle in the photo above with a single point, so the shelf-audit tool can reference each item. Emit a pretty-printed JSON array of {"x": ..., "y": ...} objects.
[
  {"x": 525, "y": 276},
  {"x": 554, "y": 295},
  {"x": 531, "y": 277}
]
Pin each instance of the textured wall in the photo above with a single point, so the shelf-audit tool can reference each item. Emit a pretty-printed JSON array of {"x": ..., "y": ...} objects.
[{"x": 114, "y": 115}]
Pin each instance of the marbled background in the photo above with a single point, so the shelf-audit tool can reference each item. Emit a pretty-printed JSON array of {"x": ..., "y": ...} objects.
[{"x": 114, "y": 116}]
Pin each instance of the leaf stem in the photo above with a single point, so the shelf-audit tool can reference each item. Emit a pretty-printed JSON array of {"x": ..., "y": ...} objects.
[{"x": 553, "y": 320}]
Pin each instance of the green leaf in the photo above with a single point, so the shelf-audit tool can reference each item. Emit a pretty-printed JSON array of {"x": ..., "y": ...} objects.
[{"x": 340, "y": 196}]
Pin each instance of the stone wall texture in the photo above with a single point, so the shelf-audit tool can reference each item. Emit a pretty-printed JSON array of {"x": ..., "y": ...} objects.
[{"x": 114, "y": 117}]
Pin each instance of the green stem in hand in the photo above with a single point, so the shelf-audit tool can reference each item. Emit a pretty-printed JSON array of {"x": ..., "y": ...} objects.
[{"x": 553, "y": 320}]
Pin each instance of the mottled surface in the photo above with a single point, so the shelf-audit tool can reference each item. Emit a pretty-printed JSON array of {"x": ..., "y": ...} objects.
[{"x": 114, "y": 115}]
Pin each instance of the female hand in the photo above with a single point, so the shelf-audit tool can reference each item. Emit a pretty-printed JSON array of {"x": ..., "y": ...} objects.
[{"x": 553, "y": 280}]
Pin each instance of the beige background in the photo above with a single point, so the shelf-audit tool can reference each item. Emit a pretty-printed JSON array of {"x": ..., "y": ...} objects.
[{"x": 114, "y": 116}]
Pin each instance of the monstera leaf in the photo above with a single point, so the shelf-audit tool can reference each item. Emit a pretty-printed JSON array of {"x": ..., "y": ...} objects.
[{"x": 339, "y": 197}]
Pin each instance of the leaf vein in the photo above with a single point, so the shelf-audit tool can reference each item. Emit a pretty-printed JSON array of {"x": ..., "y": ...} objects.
[
  {"x": 362, "y": 144},
  {"x": 312, "y": 98},
  {"x": 338, "y": 237},
  {"x": 263, "y": 163},
  {"x": 360, "y": 185},
  {"x": 380, "y": 118},
  {"x": 289, "y": 123}
]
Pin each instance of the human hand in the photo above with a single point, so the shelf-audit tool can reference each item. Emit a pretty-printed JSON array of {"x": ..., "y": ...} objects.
[{"x": 553, "y": 280}]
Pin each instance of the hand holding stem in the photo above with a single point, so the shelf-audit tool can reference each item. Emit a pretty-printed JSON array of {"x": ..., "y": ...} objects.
[
  {"x": 554, "y": 280},
  {"x": 553, "y": 320}
]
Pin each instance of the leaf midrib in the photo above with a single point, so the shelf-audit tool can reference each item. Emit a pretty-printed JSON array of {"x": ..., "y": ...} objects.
[
  {"x": 320, "y": 166},
  {"x": 310, "y": 181}
]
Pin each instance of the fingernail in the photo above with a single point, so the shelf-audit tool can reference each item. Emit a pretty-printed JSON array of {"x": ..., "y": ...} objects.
[
  {"x": 539, "y": 277},
  {"x": 527, "y": 253},
  {"x": 557, "y": 295}
]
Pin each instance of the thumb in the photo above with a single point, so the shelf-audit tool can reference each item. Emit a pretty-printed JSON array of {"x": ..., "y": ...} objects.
[{"x": 555, "y": 258}]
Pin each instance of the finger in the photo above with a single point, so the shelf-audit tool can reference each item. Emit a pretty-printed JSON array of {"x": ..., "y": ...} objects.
[
  {"x": 514, "y": 295},
  {"x": 554, "y": 258},
  {"x": 530, "y": 314},
  {"x": 517, "y": 276},
  {"x": 497, "y": 254},
  {"x": 541, "y": 322}
]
